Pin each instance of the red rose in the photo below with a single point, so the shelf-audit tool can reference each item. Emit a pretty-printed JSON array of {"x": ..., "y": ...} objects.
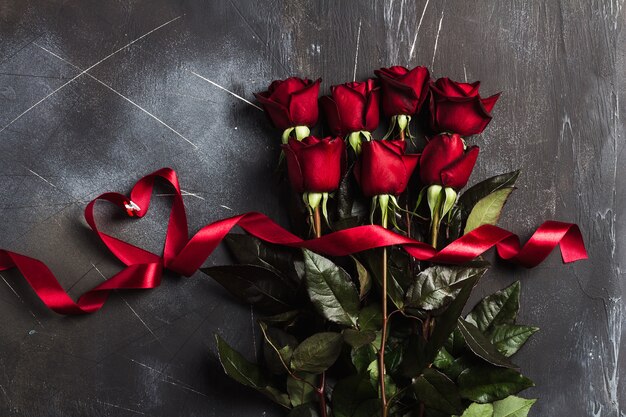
[
  {"x": 352, "y": 107},
  {"x": 383, "y": 167},
  {"x": 291, "y": 102},
  {"x": 458, "y": 107},
  {"x": 446, "y": 162},
  {"x": 315, "y": 165},
  {"x": 404, "y": 91}
]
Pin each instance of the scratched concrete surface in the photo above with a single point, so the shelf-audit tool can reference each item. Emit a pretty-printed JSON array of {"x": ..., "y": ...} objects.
[{"x": 95, "y": 94}]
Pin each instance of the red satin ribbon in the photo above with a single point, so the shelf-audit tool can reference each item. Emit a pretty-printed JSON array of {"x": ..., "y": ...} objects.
[{"x": 185, "y": 256}]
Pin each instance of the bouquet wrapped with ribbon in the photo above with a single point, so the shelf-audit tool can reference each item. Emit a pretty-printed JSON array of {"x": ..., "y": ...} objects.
[
  {"x": 382, "y": 331},
  {"x": 363, "y": 312}
]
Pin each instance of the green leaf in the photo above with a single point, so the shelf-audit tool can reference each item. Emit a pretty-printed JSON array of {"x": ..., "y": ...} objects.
[
  {"x": 249, "y": 250},
  {"x": 362, "y": 357},
  {"x": 330, "y": 289},
  {"x": 394, "y": 356},
  {"x": 365, "y": 281},
  {"x": 370, "y": 318},
  {"x": 455, "y": 343},
  {"x": 278, "y": 347},
  {"x": 358, "y": 338},
  {"x": 302, "y": 391},
  {"x": 304, "y": 410},
  {"x": 254, "y": 285},
  {"x": 488, "y": 384},
  {"x": 317, "y": 353},
  {"x": 447, "y": 322},
  {"x": 285, "y": 319},
  {"x": 437, "y": 391},
  {"x": 488, "y": 209},
  {"x": 471, "y": 196},
  {"x": 512, "y": 407},
  {"x": 475, "y": 193},
  {"x": 247, "y": 373},
  {"x": 498, "y": 308},
  {"x": 450, "y": 365},
  {"x": 437, "y": 286},
  {"x": 443, "y": 360},
  {"x": 350, "y": 393},
  {"x": 415, "y": 362},
  {"x": 345, "y": 194},
  {"x": 482, "y": 346},
  {"x": 237, "y": 367},
  {"x": 478, "y": 410},
  {"x": 509, "y": 338},
  {"x": 395, "y": 291},
  {"x": 370, "y": 408}
]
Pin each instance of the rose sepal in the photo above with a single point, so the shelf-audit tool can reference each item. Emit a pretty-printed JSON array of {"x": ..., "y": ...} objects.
[
  {"x": 356, "y": 138},
  {"x": 300, "y": 132}
]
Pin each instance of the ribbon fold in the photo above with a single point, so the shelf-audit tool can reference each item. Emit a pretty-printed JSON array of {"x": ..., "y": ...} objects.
[{"x": 185, "y": 256}]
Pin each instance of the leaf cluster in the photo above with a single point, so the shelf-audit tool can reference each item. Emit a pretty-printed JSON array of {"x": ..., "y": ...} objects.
[{"x": 322, "y": 326}]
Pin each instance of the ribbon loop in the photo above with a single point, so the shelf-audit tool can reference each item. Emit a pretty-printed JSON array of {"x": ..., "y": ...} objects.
[{"x": 185, "y": 256}]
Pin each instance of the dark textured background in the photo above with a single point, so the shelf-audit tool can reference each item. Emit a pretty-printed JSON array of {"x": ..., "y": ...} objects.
[{"x": 66, "y": 136}]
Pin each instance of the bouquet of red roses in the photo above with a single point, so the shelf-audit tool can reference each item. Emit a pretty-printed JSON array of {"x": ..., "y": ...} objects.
[{"x": 380, "y": 333}]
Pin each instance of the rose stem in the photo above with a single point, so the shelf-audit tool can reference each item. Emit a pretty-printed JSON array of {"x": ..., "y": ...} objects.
[
  {"x": 426, "y": 328},
  {"x": 322, "y": 395},
  {"x": 317, "y": 221},
  {"x": 434, "y": 232},
  {"x": 407, "y": 215},
  {"x": 317, "y": 225},
  {"x": 383, "y": 339}
]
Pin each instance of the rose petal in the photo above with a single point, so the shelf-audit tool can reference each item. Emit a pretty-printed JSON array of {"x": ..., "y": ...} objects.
[
  {"x": 381, "y": 169},
  {"x": 294, "y": 170},
  {"x": 403, "y": 91},
  {"x": 371, "y": 118},
  {"x": 465, "y": 116},
  {"x": 440, "y": 152},
  {"x": 489, "y": 102},
  {"x": 351, "y": 107},
  {"x": 276, "y": 112},
  {"x": 333, "y": 118},
  {"x": 303, "y": 105},
  {"x": 448, "y": 88},
  {"x": 280, "y": 91},
  {"x": 458, "y": 173}
]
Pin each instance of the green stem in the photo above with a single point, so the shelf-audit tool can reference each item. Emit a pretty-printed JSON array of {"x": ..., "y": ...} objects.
[
  {"x": 317, "y": 225},
  {"x": 317, "y": 222},
  {"x": 434, "y": 231},
  {"x": 383, "y": 339}
]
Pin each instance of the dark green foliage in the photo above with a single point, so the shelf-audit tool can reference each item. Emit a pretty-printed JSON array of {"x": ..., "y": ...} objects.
[{"x": 322, "y": 326}]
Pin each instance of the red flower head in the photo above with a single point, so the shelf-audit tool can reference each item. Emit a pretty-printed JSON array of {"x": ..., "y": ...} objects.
[
  {"x": 352, "y": 107},
  {"x": 458, "y": 107},
  {"x": 384, "y": 168},
  {"x": 404, "y": 91},
  {"x": 315, "y": 165},
  {"x": 291, "y": 102},
  {"x": 446, "y": 162}
]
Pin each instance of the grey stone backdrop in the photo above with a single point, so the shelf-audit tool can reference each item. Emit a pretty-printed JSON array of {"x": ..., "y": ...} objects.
[{"x": 95, "y": 94}]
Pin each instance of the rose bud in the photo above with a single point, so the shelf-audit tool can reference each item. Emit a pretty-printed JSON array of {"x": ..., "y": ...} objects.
[
  {"x": 314, "y": 167},
  {"x": 404, "y": 92},
  {"x": 458, "y": 108},
  {"x": 352, "y": 110},
  {"x": 291, "y": 105},
  {"x": 383, "y": 171},
  {"x": 445, "y": 167}
]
